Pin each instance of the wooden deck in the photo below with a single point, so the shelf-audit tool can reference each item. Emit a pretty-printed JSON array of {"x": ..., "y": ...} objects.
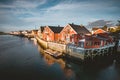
[{"x": 53, "y": 53}]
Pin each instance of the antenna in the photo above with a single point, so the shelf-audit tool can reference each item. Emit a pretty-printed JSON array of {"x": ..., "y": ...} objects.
[{"x": 35, "y": 27}]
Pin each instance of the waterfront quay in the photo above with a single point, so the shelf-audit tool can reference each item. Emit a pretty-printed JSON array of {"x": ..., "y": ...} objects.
[{"x": 74, "y": 41}]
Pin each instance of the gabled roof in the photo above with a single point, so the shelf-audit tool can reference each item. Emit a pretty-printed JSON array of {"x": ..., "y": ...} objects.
[
  {"x": 80, "y": 29},
  {"x": 98, "y": 31},
  {"x": 34, "y": 30},
  {"x": 101, "y": 37},
  {"x": 56, "y": 29},
  {"x": 42, "y": 28}
]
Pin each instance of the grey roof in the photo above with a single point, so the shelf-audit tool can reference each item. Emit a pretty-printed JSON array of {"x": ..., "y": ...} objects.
[
  {"x": 56, "y": 29},
  {"x": 80, "y": 29},
  {"x": 42, "y": 28},
  {"x": 101, "y": 37}
]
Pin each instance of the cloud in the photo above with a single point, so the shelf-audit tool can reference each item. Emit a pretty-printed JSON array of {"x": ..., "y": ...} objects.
[
  {"x": 81, "y": 11},
  {"x": 18, "y": 7},
  {"x": 23, "y": 4},
  {"x": 100, "y": 23},
  {"x": 55, "y": 12}
]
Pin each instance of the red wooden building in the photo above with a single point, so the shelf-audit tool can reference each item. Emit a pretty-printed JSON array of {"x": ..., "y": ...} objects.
[
  {"x": 72, "y": 33},
  {"x": 34, "y": 32},
  {"x": 99, "y": 38},
  {"x": 52, "y": 33}
]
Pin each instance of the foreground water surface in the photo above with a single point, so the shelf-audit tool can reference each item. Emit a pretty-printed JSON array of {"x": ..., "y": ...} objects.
[{"x": 22, "y": 59}]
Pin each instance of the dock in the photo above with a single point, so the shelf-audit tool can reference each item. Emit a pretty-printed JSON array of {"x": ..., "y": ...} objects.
[{"x": 53, "y": 53}]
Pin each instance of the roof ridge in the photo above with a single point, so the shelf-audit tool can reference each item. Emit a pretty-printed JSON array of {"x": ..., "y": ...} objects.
[
  {"x": 74, "y": 24},
  {"x": 56, "y": 29}
]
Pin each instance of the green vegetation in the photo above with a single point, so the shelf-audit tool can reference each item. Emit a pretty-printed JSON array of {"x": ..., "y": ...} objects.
[
  {"x": 118, "y": 27},
  {"x": 116, "y": 30},
  {"x": 105, "y": 28},
  {"x": 3, "y": 33}
]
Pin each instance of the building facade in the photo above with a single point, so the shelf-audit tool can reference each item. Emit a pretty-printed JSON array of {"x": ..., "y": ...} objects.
[
  {"x": 52, "y": 33},
  {"x": 72, "y": 33}
]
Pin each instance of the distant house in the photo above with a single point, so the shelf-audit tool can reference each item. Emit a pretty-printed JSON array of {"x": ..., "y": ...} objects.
[
  {"x": 40, "y": 32},
  {"x": 72, "y": 33},
  {"x": 98, "y": 31},
  {"x": 34, "y": 32},
  {"x": 94, "y": 29},
  {"x": 52, "y": 33},
  {"x": 101, "y": 32},
  {"x": 112, "y": 29},
  {"x": 25, "y": 32}
]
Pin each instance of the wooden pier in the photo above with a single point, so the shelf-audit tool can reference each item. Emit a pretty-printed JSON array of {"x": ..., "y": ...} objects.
[{"x": 53, "y": 53}]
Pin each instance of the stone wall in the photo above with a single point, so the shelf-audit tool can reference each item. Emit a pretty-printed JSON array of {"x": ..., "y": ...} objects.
[
  {"x": 89, "y": 53},
  {"x": 42, "y": 42},
  {"x": 52, "y": 45},
  {"x": 57, "y": 46},
  {"x": 75, "y": 52}
]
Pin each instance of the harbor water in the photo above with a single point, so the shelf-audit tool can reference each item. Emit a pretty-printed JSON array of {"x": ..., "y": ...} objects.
[{"x": 23, "y": 59}]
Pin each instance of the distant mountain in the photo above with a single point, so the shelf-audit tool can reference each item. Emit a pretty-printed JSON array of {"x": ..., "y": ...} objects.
[{"x": 99, "y": 23}]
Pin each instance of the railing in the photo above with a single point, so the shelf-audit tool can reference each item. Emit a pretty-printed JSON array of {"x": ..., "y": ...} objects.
[
  {"x": 102, "y": 47},
  {"x": 80, "y": 52}
]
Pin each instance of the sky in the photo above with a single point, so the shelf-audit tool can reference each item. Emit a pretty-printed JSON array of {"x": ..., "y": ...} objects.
[{"x": 31, "y": 14}]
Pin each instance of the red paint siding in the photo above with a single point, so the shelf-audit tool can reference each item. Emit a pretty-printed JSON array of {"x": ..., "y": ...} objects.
[
  {"x": 95, "y": 43},
  {"x": 57, "y": 36},
  {"x": 66, "y": 33},
  {"x": 49, "y": 35},
  {"x": 75, "y": 38}
]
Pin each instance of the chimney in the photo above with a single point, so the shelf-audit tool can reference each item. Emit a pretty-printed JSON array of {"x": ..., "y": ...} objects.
[{"x": 81, "y": 25}]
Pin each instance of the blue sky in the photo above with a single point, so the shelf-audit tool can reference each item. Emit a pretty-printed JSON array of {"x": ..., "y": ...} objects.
[{"x": 30, "y": 14}]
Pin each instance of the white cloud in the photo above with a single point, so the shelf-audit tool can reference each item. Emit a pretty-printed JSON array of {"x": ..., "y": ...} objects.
[
  {"x": 78, "y": 6},
  {"x": 60, "y": 14},
  {"x": 23, "y": 4},
  {"x": 20, "y": 7}
]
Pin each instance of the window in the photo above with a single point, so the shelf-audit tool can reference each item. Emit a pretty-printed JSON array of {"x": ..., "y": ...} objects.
[
  {"x": 86, "y": 43},
  {"x": 96, "y": 43},
  {"x": 81, "y": 44}
]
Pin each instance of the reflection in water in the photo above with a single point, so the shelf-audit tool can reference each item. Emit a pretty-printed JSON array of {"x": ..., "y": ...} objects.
[
  {"x": 34, "y": 41},
  {"x": 103, "y": 70},
  {"x": 23, "y": 59},
  {"x": 110, "y": 73},
  {"x": 68, "y": 72}
]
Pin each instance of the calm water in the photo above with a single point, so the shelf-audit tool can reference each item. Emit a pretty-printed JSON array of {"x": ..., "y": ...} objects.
[{"x": 21, "y": 59}]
